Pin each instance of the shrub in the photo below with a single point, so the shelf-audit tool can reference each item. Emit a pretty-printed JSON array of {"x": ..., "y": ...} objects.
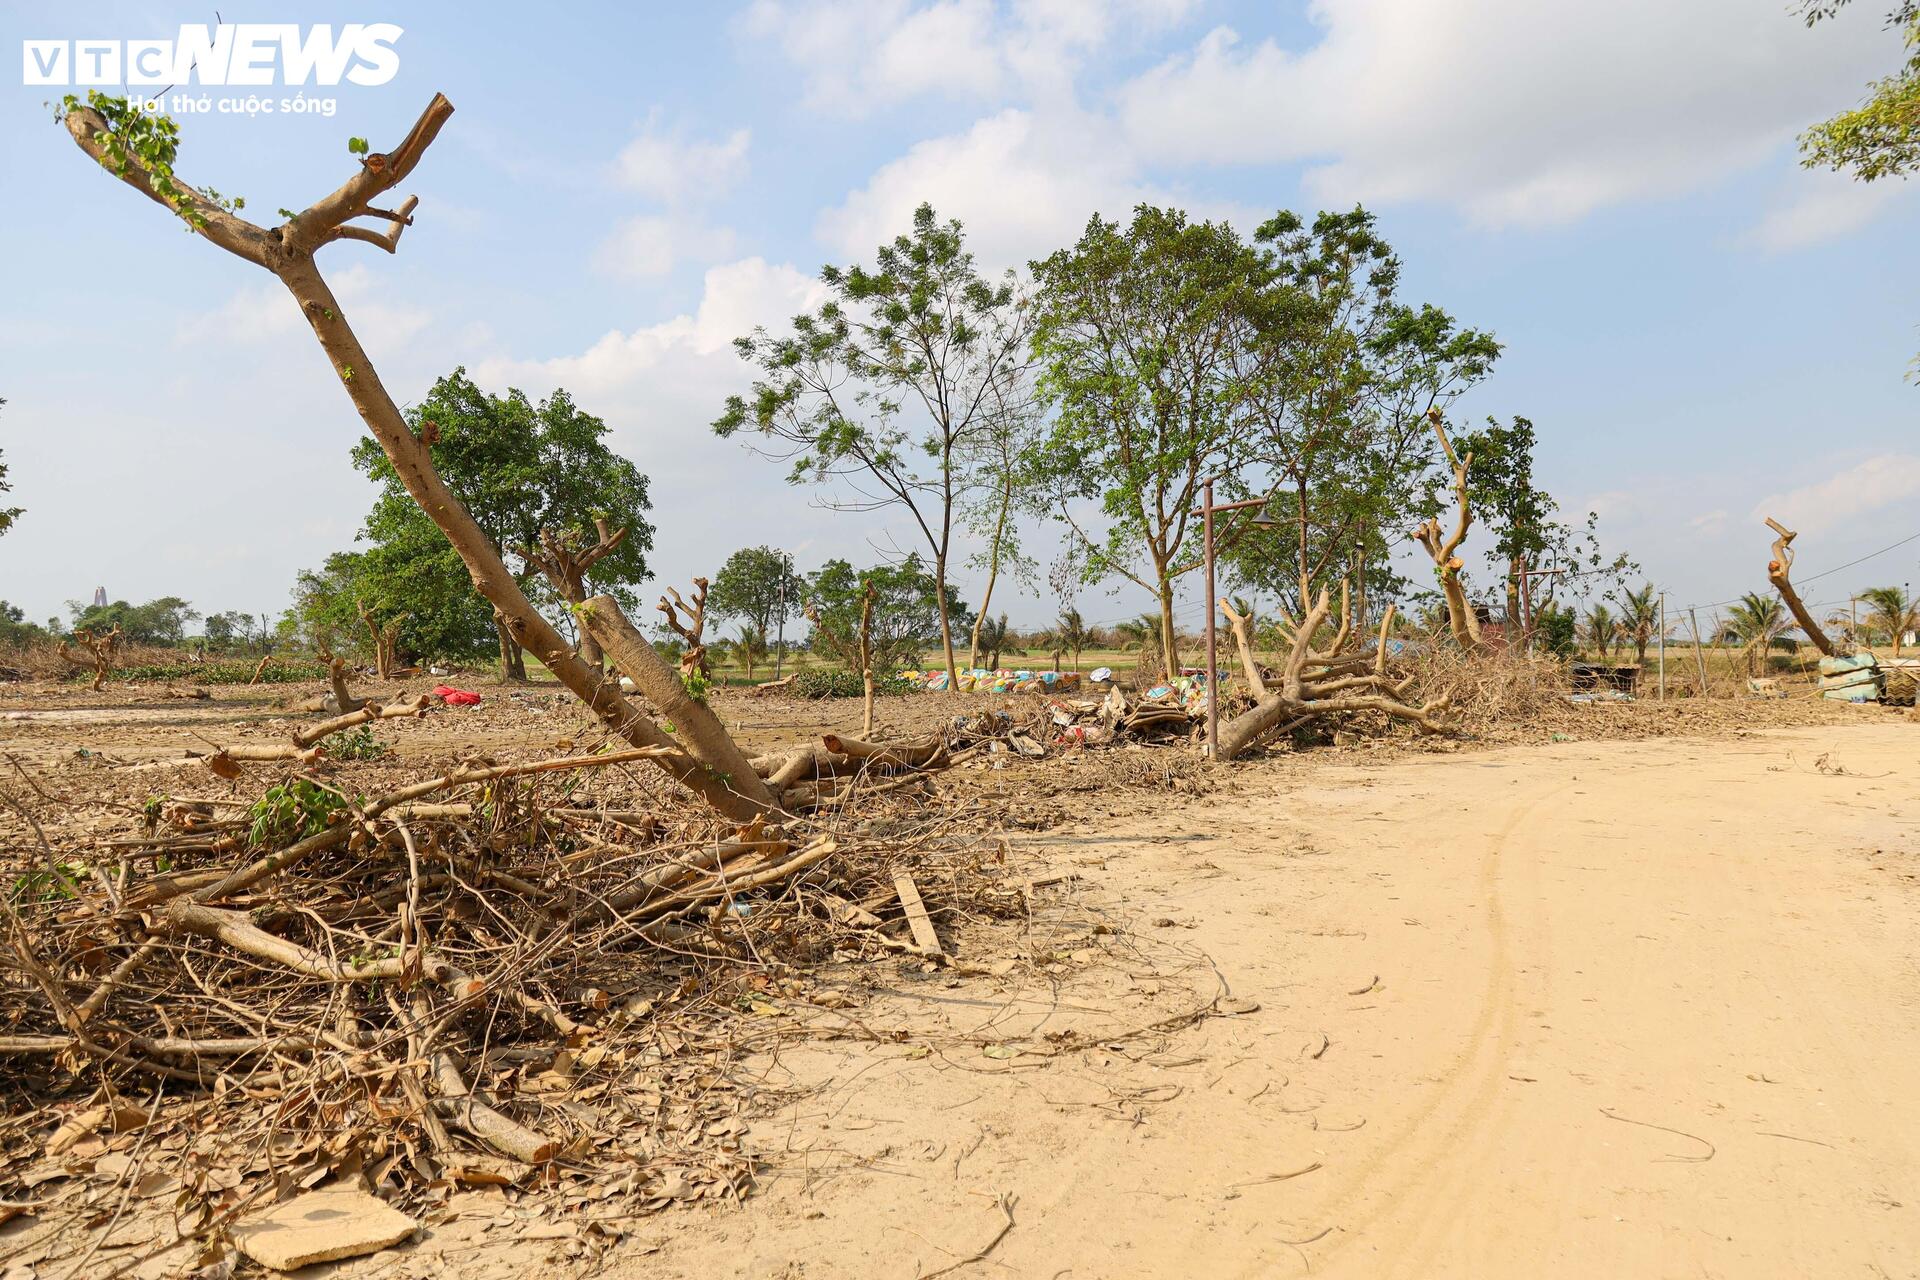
[{"x": 821, "y": 683}]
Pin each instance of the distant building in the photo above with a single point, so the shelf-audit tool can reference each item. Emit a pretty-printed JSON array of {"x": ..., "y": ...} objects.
[{"x": 99, "y": 597}]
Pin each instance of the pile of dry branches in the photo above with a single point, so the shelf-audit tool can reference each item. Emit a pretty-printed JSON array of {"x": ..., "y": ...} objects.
[{"x": 484, "y": 976}]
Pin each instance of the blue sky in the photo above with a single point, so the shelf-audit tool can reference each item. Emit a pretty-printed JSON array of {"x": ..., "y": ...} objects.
[{"x": 1702, "y": 331}]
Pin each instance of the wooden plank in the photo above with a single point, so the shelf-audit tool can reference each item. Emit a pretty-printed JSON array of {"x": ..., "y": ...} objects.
[{"x": 924, "y": 938}]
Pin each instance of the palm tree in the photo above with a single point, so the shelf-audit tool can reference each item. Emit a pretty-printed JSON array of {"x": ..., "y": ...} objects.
[
  {"x": 1891, "y": 610},
  {"x": 1601, "y": 628},
  {"x": 748, "y": 648},
  {"x": 1757, "y": 621},
  {"x": 1070, "y": 632},
  {"x": 993, "y": 638},
  {"x": 1639, "y": 616},
  {"x": 1138, "y": 633}
]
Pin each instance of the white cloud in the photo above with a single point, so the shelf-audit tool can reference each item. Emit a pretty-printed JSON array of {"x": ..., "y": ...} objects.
[
  {"x": 1824, "y": 206},
  {"x": 1867, "y": 487},
  {"x": 1516, "y": 111},
  {"x": 680, "y": 369},
  {"x": 1023, "y": 183},
  {"x": 671, "y": 169},
  {"x": 651, "y": 245},
  {"x": 263, "y": 313},
  {"x": 859, "y": 56}
]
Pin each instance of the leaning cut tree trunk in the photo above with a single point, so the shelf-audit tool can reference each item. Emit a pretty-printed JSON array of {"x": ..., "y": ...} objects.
[
  {"x": 1778, "y": 570},
  {"x": 1314, "y": 684},
  {"x": 1460, "y": 615},
  {"x": 288, "y": 252},
  {"x": 698, "y": 729}
]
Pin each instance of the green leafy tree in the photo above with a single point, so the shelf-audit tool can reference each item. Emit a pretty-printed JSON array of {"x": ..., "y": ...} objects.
[
  {"x": 1557, "y": 628},
  {"x": 1890, "y": 613},
  {"x": 748, "y": 647},
  {"x": 906, "y": 612},
  {"x": 1523, "y": 519},
  {"x": 1340, "y": 375},
  {"x": 758, "y": 586},
  {"x": 163, "y": 622},
  {"x": 519, "y": 468},
  {"x": 1138, "y": 331},
  {"x": 16, "y": 632},
  {"x": 883, "y": 389}
]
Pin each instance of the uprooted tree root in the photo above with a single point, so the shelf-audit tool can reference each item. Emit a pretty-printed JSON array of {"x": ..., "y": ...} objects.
[
  {"x": 502, "y": 974},
  {"x": 1316, "y": 684}
]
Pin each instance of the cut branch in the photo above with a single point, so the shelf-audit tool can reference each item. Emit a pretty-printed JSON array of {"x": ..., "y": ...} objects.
[
  {"x": 1442, "y": 548},
  {"x": 1778, "y": 570}
]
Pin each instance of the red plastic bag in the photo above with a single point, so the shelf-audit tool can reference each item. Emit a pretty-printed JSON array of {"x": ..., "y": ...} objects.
[{"x": 455, "y": 697}]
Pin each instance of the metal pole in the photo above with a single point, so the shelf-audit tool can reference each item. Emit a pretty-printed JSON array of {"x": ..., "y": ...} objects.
[
  {"x": 1213, "y": 660},
  {"x": 1699, "y": 654},
  {"x": 1663, "y": 646}
]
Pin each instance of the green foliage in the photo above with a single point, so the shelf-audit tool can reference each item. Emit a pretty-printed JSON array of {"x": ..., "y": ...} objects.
[
  {"x": 218, "y": 672},
  {"x": 147, "y": 141},
  {"x": 518, "y": 467},
  {"x": 163, "y": 621},
  {"x": 355, "y": 744},
  {"x": 1556, "y": 627},
  {"x": 1338, "y": 375},
  {"x": 1136, "y": 333},
  {"x": 821, "y": 682},
  {"x": 1890, "y": 614},
  {"x": 759, "y": 586},
  {"x": 16, "y": 632},
  {"x": 698, "y": 685},
  {"x": 289, "y": 812},
  {"x": 7, "y": 514},
  {"x": 906, "y": 615},
  {"x": 1640, "y": 616},
  {"x": 1758, "y": 621},
  {"x": 893, "y": 379},
  {"x": 357, "y": 146},
  {"x": 1881, "y": 137},
  {"x": 1523, "y": 521}
]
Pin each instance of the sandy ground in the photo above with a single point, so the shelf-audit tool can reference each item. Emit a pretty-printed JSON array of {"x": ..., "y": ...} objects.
[{"x": 1589, "y": 1009}]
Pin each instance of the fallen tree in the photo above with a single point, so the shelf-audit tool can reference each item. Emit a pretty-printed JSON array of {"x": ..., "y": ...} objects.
[
  {"x": 140, "y": 149},
  {"x": 1317, "y": 683},
  {"x": 1779, "y": 570}
]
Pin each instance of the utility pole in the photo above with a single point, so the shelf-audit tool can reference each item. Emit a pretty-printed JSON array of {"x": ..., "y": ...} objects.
[
  {"x": 1207, "y": 508},
  {"x": 1663, "y": 646}
]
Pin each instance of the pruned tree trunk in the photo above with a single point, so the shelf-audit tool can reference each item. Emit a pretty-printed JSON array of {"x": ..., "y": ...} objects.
[
  {"x": 692, "y": 631},
  {"x": 695, "y": 725},
  {"x": 946, "y": 622},
  {"x": 287, "y": 251},
  {"x": 1169, "y": 651},
  {"x": 866, "y": 654},
  {"x": 565, "y": 559},
  {"x": 1778, "y": 570},
  {"x": 99, "y": 657},
  {"x": 1461, "y": 618},
  {"x": 1317, "y": 683}
]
